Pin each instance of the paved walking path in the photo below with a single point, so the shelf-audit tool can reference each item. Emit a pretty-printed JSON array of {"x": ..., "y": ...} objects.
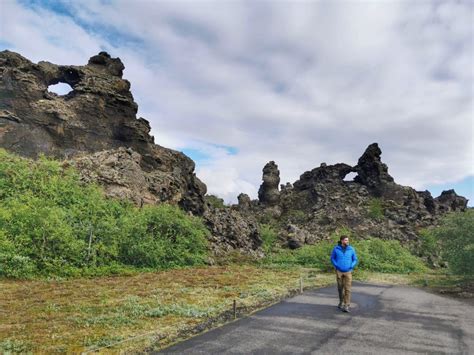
[{"x": 384, "y": 320}]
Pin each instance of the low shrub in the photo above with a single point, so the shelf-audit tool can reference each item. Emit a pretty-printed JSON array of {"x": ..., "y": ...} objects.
[
  {"x": 162, "y": 237},
  {"x": 269, "y": 237},
  {"x": 16, "y": 266},
  {"x": 52, "y": 224},
  {"x": 376, "y": 210},
  {"x": 387, "y": 256},
  {"x": 456, "y": 237},
  {"x": 373, "y": 254},
  {"x": 214, "y": 201}
]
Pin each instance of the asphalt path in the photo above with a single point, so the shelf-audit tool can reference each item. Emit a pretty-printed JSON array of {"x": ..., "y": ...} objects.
[{"x": 384, "y": 320}]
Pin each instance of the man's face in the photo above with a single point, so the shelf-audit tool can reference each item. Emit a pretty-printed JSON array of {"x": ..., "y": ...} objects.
[{"x": 345, "y": 241}]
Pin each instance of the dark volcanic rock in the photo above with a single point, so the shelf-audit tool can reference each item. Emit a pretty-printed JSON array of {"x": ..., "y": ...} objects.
[
  {"x": 323, "y": 174},
  {"x": 232, "y": 231},
  {"x": 450, "y": 201},
  {"x": 91, "y": 125},
  {"x": 244, "y": 201},
  {"x": 295, "y": 237},
  {"x": 371, "y": 171},
  {"x": 268, "y": 193},
  {"x": 321, "y": 202}
]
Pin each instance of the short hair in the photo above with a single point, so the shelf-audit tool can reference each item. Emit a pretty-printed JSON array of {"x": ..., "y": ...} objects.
[{"x": 343, "y": 237}]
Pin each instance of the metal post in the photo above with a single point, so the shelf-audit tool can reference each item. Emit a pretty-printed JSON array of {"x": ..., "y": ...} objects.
[
  {"x": 301, "y": 284},
  {"x": 235, "y": 309}
]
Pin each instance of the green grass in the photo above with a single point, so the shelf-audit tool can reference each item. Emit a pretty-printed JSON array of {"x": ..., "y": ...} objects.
[{"x": 74, "y": 316}]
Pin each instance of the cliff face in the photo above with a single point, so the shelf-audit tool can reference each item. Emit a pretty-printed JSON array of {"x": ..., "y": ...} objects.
[
  {"x": 372, "y": 204},
  {"x": 95, "y": 126}
]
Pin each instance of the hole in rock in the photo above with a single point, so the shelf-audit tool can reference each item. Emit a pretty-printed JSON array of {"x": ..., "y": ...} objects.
[
  {"x": 350, "y": 176},
  {"x": 60, "y": 89}
]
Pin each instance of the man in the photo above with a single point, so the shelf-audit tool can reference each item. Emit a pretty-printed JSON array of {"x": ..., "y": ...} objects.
[{"x": 344, "y": 259}]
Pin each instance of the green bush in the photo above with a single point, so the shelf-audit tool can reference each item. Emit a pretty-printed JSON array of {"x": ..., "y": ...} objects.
[
  {"x": 52, "y": 224},
  {"x": 387, "y": 256},
  {"x": 269, "y": 237},
  {"x": 376, "y": 211},
  {"x": 429, "y": 248},
  {"x": 373, "y": 254},
  {"x": 163, "y": 236},
  {"x": 316, "y": 256},
  {"x": 456, "y": 236},
  {"x": 16, "y": 266},
  {"x": 214, "y": 201}
]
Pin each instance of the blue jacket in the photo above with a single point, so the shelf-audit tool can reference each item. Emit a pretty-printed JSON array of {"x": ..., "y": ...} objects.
[{"x": 344, "y": 260}]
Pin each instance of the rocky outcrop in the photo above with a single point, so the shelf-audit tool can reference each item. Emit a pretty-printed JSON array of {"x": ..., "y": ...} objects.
[
  {"x": 95, "y": 126},
  {"x": 121, "y": 174},
  {"x": 323, "y": 174},
  {"x": 371, "y": 171},
  {"x": 450, "y": 201},
  {"x": 231, "y": 231},
  {"x": 321, "y": 201},
  {"x": 268, "y": 194},
  {"x": 295, "y": 237},
  {"x": 244, "y": 202}
]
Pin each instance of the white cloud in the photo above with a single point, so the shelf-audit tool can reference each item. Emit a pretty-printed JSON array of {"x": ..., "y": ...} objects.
[{"x": 295, "y": 82}]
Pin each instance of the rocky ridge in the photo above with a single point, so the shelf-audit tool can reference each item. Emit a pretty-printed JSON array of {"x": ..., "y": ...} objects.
[{"x": 321, "y": 201}]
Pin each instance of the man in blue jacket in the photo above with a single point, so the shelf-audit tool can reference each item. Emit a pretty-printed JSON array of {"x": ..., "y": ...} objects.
[{"x": 344, "y": 259}]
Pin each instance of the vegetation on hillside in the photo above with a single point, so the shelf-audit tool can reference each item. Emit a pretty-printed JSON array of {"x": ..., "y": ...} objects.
[
  {"x": 52, "y": 224},
  {"x": 453, "y": 239},
  {"x": 387, "y": 256},
  {"x": 376, "y": 210}
]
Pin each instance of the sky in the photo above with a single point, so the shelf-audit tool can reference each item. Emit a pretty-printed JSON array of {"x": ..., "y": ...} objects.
[{"x": 235, "y": 84}]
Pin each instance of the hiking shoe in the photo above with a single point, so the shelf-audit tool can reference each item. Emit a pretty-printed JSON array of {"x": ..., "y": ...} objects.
[
  {"x": 340, "y": 306},
  {"x": 346, "y": 309}
]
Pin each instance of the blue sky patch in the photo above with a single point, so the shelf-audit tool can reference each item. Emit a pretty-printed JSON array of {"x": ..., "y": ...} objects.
[
  {"x": 201, "y": 156},
  {"x": 5, "y": 45},
  {"x": 230, "y": 150},
  {"x": 197, "y": 155},
  {"x": 110, "y": 34}
]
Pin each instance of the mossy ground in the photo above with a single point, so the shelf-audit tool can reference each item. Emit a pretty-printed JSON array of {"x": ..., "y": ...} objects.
[{"x": 134, "y": 311}]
